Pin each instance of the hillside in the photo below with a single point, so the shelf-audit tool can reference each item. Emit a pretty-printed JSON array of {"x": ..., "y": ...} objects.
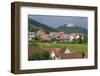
[
  {"x": 70, "y": 28},
  {"x": 35, "y": 25},
  {"x": 67, "y": 28}
]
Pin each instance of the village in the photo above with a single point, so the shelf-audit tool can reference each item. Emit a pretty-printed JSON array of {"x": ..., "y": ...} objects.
[
  {"x": 63, "y": 37},
  {"x": 56, "y": 49}
]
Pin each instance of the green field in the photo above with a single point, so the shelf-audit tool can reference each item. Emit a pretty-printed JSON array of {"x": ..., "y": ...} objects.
[{"x": 71, "y": 47}]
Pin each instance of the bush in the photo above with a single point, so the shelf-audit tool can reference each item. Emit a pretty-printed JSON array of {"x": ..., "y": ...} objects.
[
  {"x": 39, "y": 55},
  {"x": 85, "y": 40},
  {"x": 53, "y": 40},
  {"x": 82, "y": 41},
  {"x": 32, "y": 43}
]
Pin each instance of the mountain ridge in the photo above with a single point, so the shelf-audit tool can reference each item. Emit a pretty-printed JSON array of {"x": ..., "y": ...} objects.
[
  {"x": 39, "y": 25},
  {"x": 72, "y": 29},
  {"x": 67, "y": 28}
]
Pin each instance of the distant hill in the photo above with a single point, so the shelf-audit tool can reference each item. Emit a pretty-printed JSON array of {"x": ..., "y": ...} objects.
[
  {"x": 35, "y": 25},
  {"x": 71, "y": 28},
  {"x": 67, "y": 28}
]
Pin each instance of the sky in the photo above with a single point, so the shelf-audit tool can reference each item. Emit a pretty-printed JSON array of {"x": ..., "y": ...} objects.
[{"x": 56, "y": 21}]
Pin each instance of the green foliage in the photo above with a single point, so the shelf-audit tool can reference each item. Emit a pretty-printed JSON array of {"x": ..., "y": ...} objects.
[
  {"x": 34, "y": 28},
  {"x": 75, "y": 29},
  {"x": 32, "y": 43},
  {"x": 40, "y": 55},
  {"x": 84, "y": 40},
  {"x": 37, "y": 38},
  {"x": 72, "y": 47},
  {"x": 53, "y": 40},
  {"x": 80, "y": 40},
  {"x": 35, "y": 25}
]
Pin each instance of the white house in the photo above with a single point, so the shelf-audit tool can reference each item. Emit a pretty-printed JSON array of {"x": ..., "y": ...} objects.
[
  {"x": 31, "y": 35},
  {"x": 71, "y": 38},
  {"x": 67, "y": 50},
  {"x": 52, "y": 54}
]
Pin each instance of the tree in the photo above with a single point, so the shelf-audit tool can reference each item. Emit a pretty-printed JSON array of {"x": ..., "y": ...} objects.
[
  {"x": 85, "y": 40},
  {"x": 40, "y": 55},
  {"x": 37, "y": 38},
  {"x": 53, "y": 39},
  {"x": 80, "y": 40}
]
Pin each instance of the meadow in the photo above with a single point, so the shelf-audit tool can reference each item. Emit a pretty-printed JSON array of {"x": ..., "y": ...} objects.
[{"x": 72, "y": 47}]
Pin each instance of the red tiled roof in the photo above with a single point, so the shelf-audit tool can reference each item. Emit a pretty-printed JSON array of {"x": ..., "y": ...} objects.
[
  {"x": 57, "y": 51},
  {"x": 37, "y": 48},
  {"x": 74, "y": 55}
]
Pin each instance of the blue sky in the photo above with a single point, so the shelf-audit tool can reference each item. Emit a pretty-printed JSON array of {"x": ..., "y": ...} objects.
[{"x": 56, "y": 21}]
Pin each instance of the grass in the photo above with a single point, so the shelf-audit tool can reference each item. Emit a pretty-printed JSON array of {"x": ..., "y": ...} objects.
[{"x": 71, "y": 47}]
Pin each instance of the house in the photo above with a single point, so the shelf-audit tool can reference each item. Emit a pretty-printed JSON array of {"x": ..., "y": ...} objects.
[
  {"x": 74, "y": 55},
  {"x": 44, "y": 37},
  {"x": 63, "y": 37},
  {"x": 58, "y": 35},
  {"x": 37, "y": 48},
  {"x": 76, "y": 35},
  {"x": 61, "y": 33},
  {"x": 72, "y": 36},
  {"x": 59, "y": 53},
  {"x": 67, "y": 51},
  {"x": 55, "y": 52},
  {"x": 31, "y": 35},
  {"x": 53, "y": 34},
  {"x": 40, "y": 33}
]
